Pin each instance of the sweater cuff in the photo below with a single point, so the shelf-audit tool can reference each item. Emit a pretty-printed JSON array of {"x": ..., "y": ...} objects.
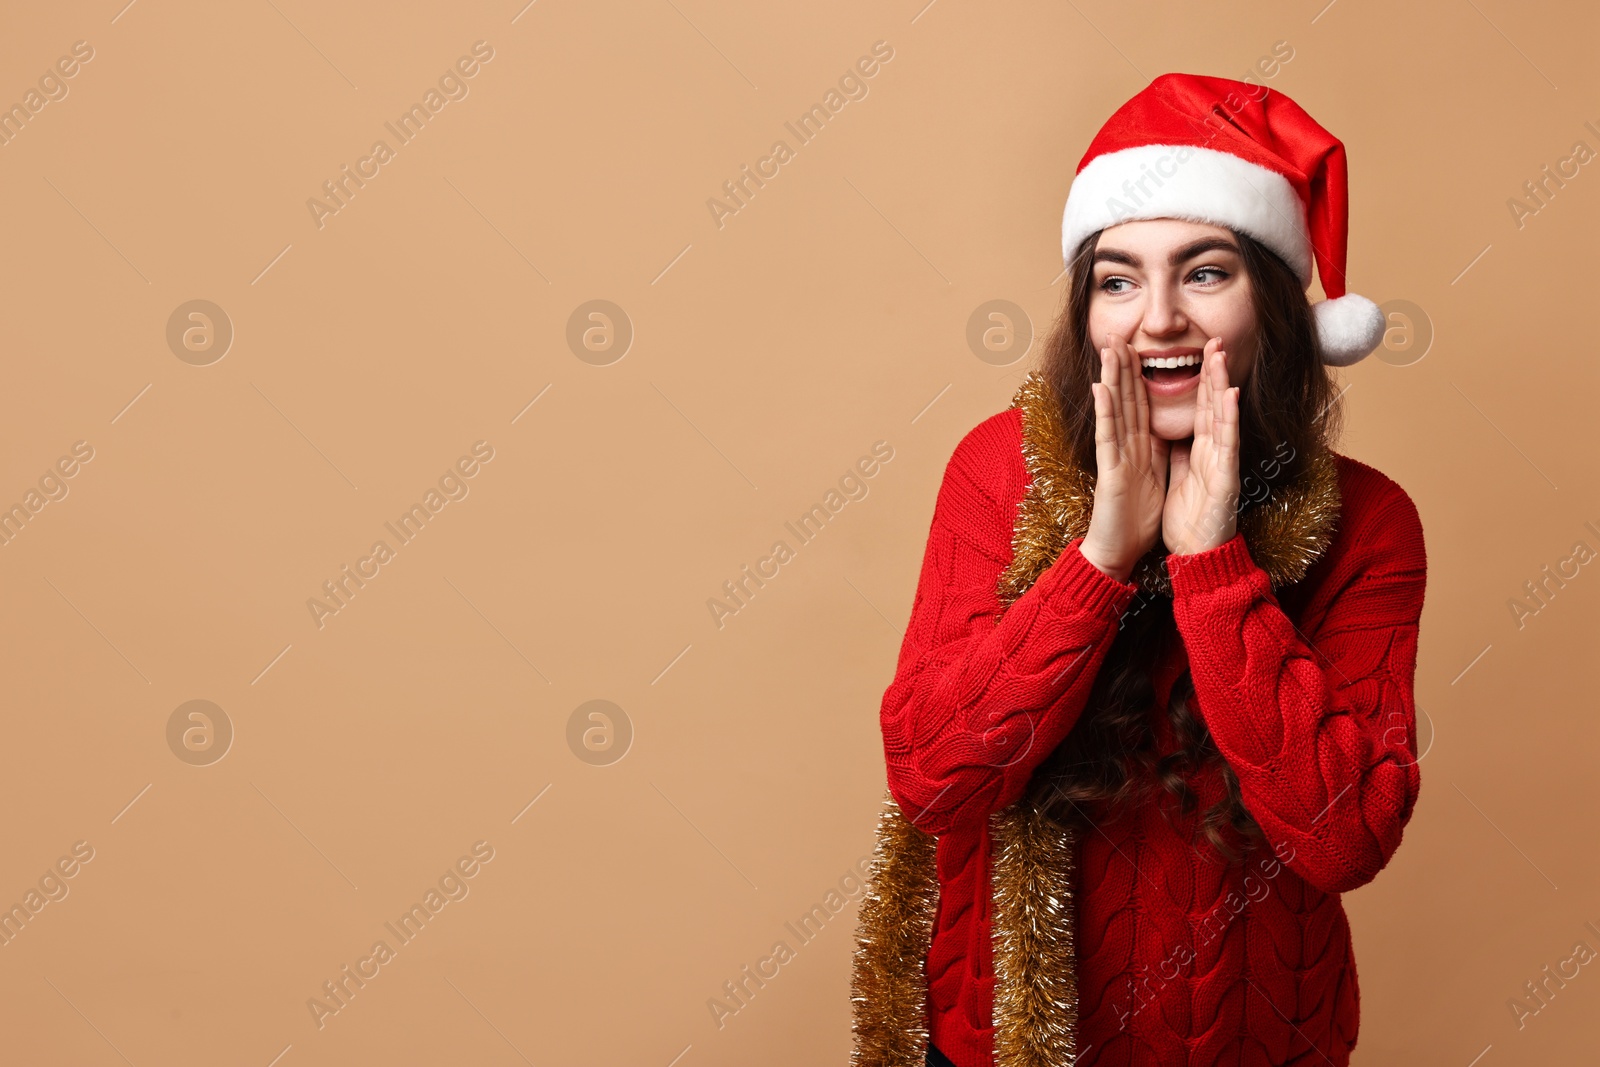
[
  {"x": 1086, "y": 587},
  {"x": 1215, "y": 568}
]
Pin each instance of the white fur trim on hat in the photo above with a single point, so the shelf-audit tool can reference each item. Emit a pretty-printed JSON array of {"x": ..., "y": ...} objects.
[
  {"x": 1349, "y": 327},
  {"x": 1185, "y": 182}
]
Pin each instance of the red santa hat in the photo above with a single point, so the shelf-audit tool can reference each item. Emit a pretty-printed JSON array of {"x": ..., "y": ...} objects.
[{"x": 1236, "y": 155}]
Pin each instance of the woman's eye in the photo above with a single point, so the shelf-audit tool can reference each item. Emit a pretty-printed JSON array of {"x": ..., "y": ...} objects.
[
  {"x": 1220, "y": 273},
  {"x": 1106, "y": 285}
]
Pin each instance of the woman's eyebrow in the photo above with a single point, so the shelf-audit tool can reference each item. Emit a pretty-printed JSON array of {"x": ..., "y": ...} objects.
[
  {"x": 1117, "y": 255},
  {"x": 1205, "y": 244},
  {"x": 1187, "y": 252}
]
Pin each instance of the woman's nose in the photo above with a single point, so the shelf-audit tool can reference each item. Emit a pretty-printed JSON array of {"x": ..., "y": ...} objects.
[{"x": 1163, "y": 314}]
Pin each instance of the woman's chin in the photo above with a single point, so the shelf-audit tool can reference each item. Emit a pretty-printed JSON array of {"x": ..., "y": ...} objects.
[{"x": 1172, "y": 425}]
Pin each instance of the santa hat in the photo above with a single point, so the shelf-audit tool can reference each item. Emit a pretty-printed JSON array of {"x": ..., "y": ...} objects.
[{"x": 1236, "y": 155}]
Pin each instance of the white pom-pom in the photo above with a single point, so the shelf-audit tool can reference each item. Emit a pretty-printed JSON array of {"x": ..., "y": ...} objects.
[{"x": 1349, "y": 328}]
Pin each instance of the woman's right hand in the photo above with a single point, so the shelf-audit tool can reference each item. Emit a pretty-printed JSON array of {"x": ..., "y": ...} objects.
[{"x": 1130, "y": 489}]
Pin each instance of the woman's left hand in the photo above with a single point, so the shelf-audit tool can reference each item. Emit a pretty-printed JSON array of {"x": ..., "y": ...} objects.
[{"x": 1203, "y": 488}]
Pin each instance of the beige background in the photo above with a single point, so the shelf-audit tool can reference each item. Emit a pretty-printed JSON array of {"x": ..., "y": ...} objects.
[{"x": 768, "y": 355}]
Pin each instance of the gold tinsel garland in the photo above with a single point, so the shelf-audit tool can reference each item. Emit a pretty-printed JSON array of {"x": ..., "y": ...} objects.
[
  {"x": 1033, "y": 871},
  {"x": 1033, "y": 861},
  {"x": 888, "y": 985}
]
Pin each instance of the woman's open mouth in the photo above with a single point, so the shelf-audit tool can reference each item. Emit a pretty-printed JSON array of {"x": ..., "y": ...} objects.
[
  {"x": 1171, "y": 371},
  {"x": 1170, "y": 368}
]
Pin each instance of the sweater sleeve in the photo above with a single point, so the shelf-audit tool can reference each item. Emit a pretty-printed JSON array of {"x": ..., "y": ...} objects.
[
  {"x": 1319, "y": 728},
  {"x": 980, "y": 698}
]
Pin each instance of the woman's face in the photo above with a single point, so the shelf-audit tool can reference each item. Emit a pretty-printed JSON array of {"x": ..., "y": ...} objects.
[{"x": 1167, "y": 286}]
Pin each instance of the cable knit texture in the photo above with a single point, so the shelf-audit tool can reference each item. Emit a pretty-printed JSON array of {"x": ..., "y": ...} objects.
[{"x": 1183, "y": 959}]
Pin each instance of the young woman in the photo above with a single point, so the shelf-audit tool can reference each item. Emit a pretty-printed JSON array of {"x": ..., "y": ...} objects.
[{"x": 1153, "y": 712}]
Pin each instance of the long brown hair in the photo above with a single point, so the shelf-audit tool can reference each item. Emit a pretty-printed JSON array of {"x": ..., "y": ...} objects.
[{"x": 1289, "y": 399}]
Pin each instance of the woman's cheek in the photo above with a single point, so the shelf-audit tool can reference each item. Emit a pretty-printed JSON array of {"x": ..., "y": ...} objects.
[{"x": 1102, "y": 327}]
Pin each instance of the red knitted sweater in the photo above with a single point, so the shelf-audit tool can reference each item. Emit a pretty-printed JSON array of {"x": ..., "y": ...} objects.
[{"x": 1183, "y": 959}]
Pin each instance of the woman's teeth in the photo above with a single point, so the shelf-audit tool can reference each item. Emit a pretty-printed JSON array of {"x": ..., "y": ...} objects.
[{"x": 1170, "y": 361}]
